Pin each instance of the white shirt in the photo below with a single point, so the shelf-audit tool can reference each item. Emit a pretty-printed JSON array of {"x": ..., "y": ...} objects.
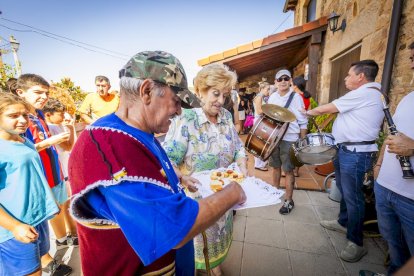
[
  {"x": 360, "y": 117},
  {"x": 390, "y": 175},
  {"x": 301, "y": 122}
]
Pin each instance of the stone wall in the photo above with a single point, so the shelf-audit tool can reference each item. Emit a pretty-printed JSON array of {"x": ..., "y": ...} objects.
[
  {"x": 251, "y": 83},
  {"x": 368, "y": 25},
  {"x": 403, "y": 77},
  {"x": 301, "y": 11}
]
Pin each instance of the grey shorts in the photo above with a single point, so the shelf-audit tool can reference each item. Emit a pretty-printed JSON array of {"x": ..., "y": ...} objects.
[{"x": 280, "y": 157}]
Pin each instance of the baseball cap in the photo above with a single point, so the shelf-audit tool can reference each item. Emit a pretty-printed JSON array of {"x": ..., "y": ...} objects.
[
  {"x": 164, "y": 68},
  {"x": 283, "y": 72}
]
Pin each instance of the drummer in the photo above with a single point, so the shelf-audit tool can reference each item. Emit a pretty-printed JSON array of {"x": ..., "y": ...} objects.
[
  {"x": 355, "y": 130},
  {"x": 286, "y": 97}
]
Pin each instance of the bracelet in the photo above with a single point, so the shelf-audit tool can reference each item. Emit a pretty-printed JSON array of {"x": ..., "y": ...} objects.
[{"x": 377, "y": 165}]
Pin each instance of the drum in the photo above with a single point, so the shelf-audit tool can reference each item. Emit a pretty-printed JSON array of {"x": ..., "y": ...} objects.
[
  {"x": 315, "y": 148},
  {"x": 264, "y": 136}
]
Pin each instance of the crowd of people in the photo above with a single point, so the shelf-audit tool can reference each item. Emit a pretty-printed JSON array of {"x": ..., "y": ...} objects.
[{"x": 134, "y": 200}]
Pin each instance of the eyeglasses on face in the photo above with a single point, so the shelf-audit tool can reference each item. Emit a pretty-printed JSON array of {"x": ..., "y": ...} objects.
[{"x": 283, "y": 79}]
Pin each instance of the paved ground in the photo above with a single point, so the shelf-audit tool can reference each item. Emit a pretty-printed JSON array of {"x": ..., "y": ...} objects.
[{"x": 266, "y": 243}]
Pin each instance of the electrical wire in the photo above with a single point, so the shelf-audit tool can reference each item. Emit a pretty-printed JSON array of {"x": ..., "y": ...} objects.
[
  {"x": 61, "y": 40},
  {"x": 277, "y": 28},
  {"x": 64, "y": 37}
]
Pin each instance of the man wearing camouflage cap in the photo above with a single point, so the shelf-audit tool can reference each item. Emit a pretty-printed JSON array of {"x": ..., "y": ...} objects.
[{"x": 129, "y": 202}]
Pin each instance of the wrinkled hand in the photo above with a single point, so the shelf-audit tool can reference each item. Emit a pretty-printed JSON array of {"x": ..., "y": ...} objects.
[
  {"x": 400, "y": 144},
  {"x": 25, "y": 233},
  {"x": 189, "y": 183},
  {"x": 236, "y": 188}
]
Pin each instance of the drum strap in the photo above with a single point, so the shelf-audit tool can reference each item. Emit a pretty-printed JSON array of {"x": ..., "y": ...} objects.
[
  {"x": 290, "y": 99},
  {"x": 379, "y": 90},
  {"x": 327, "y": 121}
]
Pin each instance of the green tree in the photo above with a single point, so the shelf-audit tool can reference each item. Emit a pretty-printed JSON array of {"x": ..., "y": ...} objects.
[
  {"x": 77, "y": 94},
  {"x": 6, "y": 72}
]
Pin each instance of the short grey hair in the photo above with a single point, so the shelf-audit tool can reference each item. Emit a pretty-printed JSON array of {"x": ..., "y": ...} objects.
[
  {"x": 102, "y": 78},
  {"x": 130, "y": 87}
]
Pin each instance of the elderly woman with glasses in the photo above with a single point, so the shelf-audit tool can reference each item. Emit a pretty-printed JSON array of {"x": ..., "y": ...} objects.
[{"x": 204, "y": 139}]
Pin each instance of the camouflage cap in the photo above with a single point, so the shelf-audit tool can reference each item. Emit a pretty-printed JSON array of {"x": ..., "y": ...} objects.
[{"x": 164, "y": 68}]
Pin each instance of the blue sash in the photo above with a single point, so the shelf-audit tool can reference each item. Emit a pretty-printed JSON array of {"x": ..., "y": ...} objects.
[{"x": 148, "y": 140}]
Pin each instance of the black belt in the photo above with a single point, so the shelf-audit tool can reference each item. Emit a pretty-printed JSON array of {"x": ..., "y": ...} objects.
[{"x": 357, "y": 143}]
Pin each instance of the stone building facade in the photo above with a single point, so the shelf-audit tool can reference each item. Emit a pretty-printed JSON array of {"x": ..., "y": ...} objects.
[
  {"x": 367, "y": 27},
  {"x": 324, "y": 56}
]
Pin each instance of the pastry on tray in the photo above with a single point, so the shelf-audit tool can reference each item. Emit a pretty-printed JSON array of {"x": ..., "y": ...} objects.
[
  {"x": 215, "y": 175},
  {"x": 238, "y": 177},
  {"x": 227, "y": 175},
  {"x": 216, "y": 185}
]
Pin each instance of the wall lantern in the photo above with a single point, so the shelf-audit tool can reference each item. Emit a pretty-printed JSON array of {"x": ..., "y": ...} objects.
[{"x": 333, "y": 22}]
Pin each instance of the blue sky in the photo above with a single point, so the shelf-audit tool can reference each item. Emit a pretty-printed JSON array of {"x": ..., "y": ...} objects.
[{"x": 190, "y": 30}]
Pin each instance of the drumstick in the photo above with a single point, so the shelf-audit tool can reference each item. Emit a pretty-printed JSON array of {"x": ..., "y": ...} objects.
[{"x": 312, "y": 119}]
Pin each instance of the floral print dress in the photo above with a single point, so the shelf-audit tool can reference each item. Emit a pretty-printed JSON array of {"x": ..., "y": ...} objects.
[{"x": 195, "y": 144}]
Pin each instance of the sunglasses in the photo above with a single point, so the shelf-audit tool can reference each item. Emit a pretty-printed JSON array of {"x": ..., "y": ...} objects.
[{"x": 283, "y": 79}]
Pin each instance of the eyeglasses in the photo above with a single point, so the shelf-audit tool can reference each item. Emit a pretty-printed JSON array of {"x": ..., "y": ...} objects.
[{"x": 283, "y": 79}]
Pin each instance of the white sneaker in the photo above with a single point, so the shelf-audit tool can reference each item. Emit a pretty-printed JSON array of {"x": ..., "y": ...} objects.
[
  {"x": 333, "y": 225},
  {"x": 352, "y": 253}
]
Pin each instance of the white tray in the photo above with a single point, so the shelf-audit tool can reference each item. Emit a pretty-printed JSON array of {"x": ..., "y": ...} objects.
[{"x": 258, "y": 192}]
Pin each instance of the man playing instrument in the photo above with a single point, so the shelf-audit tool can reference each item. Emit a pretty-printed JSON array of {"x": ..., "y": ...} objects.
[
  {"x": 280, "y": 158},
  {"x": 394, "y": 195},
  {"x": 130, "y": 204},
  {"x": 355, "y": 130}
]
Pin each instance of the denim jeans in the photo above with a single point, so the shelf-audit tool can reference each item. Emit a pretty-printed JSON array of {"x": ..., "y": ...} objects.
[
  {"x": 396, "y": 224},
  {"x": 350, "y": 169}
]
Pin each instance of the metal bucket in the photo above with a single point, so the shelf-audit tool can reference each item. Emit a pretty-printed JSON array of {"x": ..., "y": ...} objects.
[{"x": 333, "y": 191}]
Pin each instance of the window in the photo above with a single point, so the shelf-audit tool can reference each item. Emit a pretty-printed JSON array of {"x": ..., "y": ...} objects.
[
  {"x": 339, "y": 70},
  {"x": 311, "y": 11}
]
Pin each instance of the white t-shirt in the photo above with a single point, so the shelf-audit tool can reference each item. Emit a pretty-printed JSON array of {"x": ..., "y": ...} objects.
[
  {"x": 62, "y": 154},
  {"x": 390, "y": 175},
  {"x": 301, "y": 122},
  {"x": 360, "y": 117}
]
